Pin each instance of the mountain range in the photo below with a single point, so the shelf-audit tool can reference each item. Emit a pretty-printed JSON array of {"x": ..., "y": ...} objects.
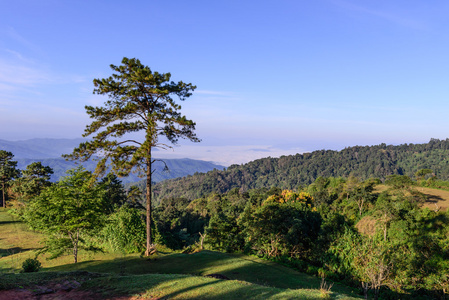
[
  {"x": 294, "y": 171},
  {"x": 49, "y": 151}
]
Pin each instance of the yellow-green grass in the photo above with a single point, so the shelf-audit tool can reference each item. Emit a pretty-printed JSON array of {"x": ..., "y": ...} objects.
[
  {"x": 183, "y": 272},
  {"x": 436, "y": 198},
  {"x": 17, "y": 243}
]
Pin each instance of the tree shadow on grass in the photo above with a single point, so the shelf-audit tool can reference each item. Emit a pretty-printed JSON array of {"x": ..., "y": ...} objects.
[
  {"x": 8, "y": 222},
  {"x": 262, "y": 273},
  {"x": 433, "y": 198},
  {"x": 166, "y": 286},
  {"x": 13, "y": 250}
]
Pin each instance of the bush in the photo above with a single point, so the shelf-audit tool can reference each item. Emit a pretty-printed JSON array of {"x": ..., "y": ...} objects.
[
  {"x": 125, "y": 231},
  {"x": 31, "y": 265}
]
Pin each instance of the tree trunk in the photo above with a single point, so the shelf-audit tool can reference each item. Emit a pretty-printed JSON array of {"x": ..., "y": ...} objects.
[
  {"x": 75, "y": 249},
  {"x": 202, "y": 240},
  {"x": 361, "y": 202},
  {"x": 376, "y": 293},
  {"x": 75, "y": 244},
  {"x": 148, "y": 196},
  {"x": 3, "y": 194},
  {"x": 365, "y": 287}
]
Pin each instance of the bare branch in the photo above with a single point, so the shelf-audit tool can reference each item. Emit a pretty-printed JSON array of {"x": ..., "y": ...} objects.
[{"x": 129, "y": 141}]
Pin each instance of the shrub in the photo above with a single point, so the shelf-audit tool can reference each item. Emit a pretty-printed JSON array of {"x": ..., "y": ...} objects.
[
  {"x": 31, "y": 265},
  {"x": 125, "y": 231}
]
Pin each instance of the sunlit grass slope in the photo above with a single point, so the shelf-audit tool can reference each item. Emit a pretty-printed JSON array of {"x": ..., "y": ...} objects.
[
  {"x": 18, "y": 243},
  {"x": 435, "y": 198}
]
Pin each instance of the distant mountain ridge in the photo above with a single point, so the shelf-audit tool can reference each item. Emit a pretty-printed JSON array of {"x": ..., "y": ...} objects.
[
  {"x": 40, "y": 148},
  {"x": 49, "y": 151},
  {"x": 290, "y": 172}
]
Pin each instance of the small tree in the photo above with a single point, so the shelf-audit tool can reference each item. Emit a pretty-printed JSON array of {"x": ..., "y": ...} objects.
[
  {"x": 373, "y": 264},
  {"x": 368, "y": 259},
  {"x": 400, "y": 182},
  {"x": 35, "y": 178},
  {"x": 8, "y": 171},
  {"x": 139, "y": 100},
  {"x": 421, "y": 174},
  {"x": 67, "y": 211},
  {"x": 115, "y": 194},
  {"x": 362, "y": 193}
]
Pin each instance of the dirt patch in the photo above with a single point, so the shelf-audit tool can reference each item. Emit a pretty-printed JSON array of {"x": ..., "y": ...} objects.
[
  {"x": 68, "y": 287},
  {"x": 75, "y": 294},
  {"x": 20, "y": 294},
  {"x": 217, "y": 276},
  {"x": 61, "y": 290}
]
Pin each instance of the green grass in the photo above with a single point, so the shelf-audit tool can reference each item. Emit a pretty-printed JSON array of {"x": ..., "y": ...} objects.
[
  {"x": 17, "y": 243},
  {"x": 166, "y": 286},
  {"x": 175, "y": 286},
  {"x": 168, "y": 275},
  {"x": 233, "y": 266}
]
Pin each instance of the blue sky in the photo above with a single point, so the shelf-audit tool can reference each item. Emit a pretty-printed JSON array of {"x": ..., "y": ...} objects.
[{"x": 273, "y": 77}]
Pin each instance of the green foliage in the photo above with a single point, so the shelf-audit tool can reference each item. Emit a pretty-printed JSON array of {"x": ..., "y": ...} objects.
[
  {"x": 421, "y": 174},
  {"x": 399, "y": 181},
  {"x": 178, "y": 225},
  {"x": 31, "y": 265},
  {"x": 224, "y": 234},
  {"x": 114, "y": 192},
  {"x": 67, "y": 212},
  {"x": 8, "y": 172},
  {"x": 35, "y": 178},
  {"x": 124, "y": 230},
  {"x": 281, "y": 229}
]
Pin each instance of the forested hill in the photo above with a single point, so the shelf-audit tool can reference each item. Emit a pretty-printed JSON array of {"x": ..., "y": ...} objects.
[
  {"x": 176, "y": 168},
  {"x": 289, "y": 172}
]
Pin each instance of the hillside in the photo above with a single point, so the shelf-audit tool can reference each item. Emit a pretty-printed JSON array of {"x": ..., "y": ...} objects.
[
  {"x": 176, "y": 168},
  {"x": 40, "y": 148},
  {"x": 164, "y": 276},
  {"x": 49, "y": 151},
  {"x": 289, "y": 172}
]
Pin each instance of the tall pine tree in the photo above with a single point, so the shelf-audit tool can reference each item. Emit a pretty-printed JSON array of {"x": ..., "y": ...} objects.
[{"x": 139, "y": 101}]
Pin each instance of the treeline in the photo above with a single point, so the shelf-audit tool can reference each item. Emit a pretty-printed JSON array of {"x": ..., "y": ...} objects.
[{"x": 294, "y": 171}]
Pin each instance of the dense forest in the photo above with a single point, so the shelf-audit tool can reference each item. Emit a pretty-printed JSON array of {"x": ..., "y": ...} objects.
[
  {"x": 361, "y": 233},
  {"x": 294, "y": 171}
]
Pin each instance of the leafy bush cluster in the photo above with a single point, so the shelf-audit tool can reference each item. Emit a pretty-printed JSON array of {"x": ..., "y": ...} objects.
[{"x": 31, "y": 265}]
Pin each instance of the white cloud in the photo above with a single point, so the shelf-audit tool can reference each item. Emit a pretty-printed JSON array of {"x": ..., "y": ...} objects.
[
  {"x": 18, "y": 74},
  {"x": 215, "y": 93},
  {"x": 227, "y": 155},
  {"x": 393, "y": 17},
  {"x": 14, "y": 35}
]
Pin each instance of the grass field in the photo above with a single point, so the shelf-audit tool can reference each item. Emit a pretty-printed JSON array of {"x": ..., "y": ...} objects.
[
  {"x": 165, "y": 275},
  {"x": 437, "y": 197},
  {"x": 434, "y": 196}
]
